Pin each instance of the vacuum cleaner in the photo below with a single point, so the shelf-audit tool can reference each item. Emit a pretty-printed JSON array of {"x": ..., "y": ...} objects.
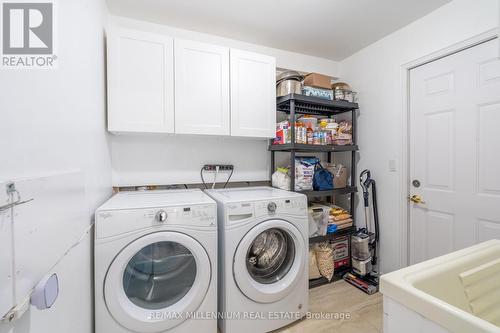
[{"x": 364, "y": 242}]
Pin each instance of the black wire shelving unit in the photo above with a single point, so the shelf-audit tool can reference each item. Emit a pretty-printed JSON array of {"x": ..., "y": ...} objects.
[{"x": 296, "y": 104}]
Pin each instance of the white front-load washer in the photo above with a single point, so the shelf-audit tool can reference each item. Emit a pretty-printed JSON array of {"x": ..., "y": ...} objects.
[
  {"x": 263, "y": 256},
  {"x": 156, "y": 263}
]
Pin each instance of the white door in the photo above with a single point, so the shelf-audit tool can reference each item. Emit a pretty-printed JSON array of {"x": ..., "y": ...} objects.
[
  {"x": 253, "y": 94},
  {"x": 455, "y": 152},
  {"x": 140, "y": 81},
  {"x": 201, "y": 88},
  {"x": 269, "y": 261},
  {"x": 157, "y": 281}
]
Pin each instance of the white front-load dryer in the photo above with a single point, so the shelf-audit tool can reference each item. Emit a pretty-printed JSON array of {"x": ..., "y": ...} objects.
[
  {"x": 263, "y": 256},
  {"x": 156, "y": 263}
]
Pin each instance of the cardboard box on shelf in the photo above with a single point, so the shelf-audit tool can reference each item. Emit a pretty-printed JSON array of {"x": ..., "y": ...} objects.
[
  {"x": 318, "y": 81},
  {"x": 342, "y": 256}
]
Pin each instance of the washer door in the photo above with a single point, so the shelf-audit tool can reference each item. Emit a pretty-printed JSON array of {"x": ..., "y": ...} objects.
[
  {"x": 156, "y": 280},
  {"x": 269, "y": 261}
]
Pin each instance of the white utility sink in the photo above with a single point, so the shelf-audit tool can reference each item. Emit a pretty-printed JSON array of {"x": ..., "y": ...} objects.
[{"x": 457, "y": 292}]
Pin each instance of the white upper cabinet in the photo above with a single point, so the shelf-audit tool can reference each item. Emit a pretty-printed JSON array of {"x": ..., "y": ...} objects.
[
  {"x": 160, "y": 85},
  {"x": 201, "y": 88},
  {"x": 253, "y": 94},
  {"x": 140, "y": 82}
]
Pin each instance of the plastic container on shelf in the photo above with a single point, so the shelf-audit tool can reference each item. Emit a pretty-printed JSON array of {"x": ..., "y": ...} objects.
[
  {"x": 309, "y": 120},
  {"x": 318, "y": 92},
  {"x": 300, "y": 133},
  {"x": 309, "y": 134},
  {"x": 329, "y": 137},
  {"x": 316, "y": 139}
]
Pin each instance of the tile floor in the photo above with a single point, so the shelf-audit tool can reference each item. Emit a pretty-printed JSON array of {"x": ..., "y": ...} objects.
[{"x": 365, "y": 311}]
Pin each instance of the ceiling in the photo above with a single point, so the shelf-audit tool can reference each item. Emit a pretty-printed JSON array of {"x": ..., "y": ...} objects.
[{"x": 332, "y": 29}]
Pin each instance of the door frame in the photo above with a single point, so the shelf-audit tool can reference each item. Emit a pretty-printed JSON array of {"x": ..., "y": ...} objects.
[{"x": 405, "y": 155}]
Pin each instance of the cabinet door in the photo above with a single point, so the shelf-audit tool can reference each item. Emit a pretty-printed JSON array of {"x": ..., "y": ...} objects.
[
  {"x": 201, "y": 88},
  {"x": 253, "y": 94},
  {"x": 140, "y": 82}
]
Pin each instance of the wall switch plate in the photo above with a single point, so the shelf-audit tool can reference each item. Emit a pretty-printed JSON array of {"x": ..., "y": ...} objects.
[
  {"x": 222, "y": 167},
  {"x": 393, "y": 165}
]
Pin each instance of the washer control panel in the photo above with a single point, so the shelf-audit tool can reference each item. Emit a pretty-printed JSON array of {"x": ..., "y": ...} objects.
[
  {"x": 293, "y": 206},
  {"x": 241, "y": 211}
]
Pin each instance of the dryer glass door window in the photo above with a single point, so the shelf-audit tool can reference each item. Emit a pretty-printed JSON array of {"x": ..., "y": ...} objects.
[
  {"x": 270, "y": 256},
  {"x": 159, "y": 275}
]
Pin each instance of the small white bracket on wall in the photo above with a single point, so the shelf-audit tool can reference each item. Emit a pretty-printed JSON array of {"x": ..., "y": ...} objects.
[{"x": 11, "y": 192}]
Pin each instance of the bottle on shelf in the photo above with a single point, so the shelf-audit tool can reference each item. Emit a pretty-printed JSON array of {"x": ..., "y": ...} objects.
[{"x": 309, "y": 134}]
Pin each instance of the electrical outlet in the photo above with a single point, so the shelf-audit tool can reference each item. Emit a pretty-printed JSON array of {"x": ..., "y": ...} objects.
[{"x": 222, "y": 167}]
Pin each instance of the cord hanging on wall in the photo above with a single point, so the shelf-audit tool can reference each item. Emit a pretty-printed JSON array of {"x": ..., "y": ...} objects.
[{"x": 216, "y": 168}]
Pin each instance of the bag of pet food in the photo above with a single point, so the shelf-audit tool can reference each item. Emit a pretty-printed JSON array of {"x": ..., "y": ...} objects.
[
  {"x": 313, "y": 266},
  {"x": 324, "y": 257},
  {"x": 304, "y": 173}
]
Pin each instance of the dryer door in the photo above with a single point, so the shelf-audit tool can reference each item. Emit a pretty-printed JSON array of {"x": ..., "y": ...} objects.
[
  {"x": 269, "y": 261},
  {"x": 156, "y": 281}
]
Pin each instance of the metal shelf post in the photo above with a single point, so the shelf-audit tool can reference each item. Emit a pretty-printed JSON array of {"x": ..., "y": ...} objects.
[{"x": 292, "y": 139}]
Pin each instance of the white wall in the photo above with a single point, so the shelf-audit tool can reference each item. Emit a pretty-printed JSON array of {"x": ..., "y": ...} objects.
[
  {"x": 376, "y": 73},
  {"x": 177, "y": 159},
  {"x": 173, "y": 159},
  {"x": 53, "y": 121}
]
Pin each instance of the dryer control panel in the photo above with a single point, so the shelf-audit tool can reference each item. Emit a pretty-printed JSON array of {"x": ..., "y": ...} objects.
[{"x": 115, "y": 222}]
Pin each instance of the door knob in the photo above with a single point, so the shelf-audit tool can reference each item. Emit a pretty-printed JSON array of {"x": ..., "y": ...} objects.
[{"x": 417, "y": 199}]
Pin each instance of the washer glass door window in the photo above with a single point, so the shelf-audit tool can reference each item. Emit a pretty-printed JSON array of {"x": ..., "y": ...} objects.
[
  {"x": 157, "y": 281},
  {"x": 270, "y": 256},
  {"x": 269, "y": 261}
]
